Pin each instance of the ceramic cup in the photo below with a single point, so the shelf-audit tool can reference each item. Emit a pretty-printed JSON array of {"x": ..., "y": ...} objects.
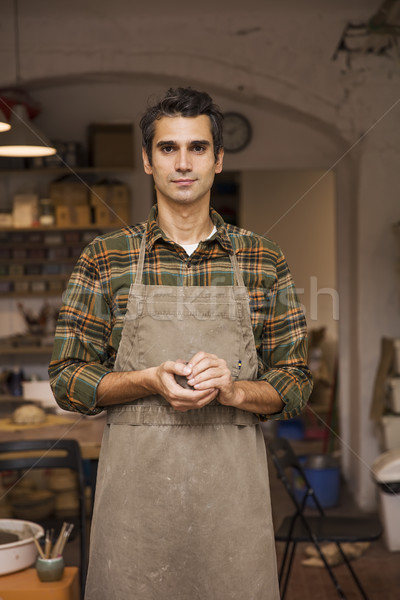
[{"x": 50, "y": 569}]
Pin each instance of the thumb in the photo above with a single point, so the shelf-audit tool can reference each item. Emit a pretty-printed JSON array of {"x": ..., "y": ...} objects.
[{"x": 182, "y": 368}]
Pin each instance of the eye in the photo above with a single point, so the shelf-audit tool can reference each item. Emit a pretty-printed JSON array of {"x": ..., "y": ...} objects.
[
  {"x": 167, "y": 149},
  {"x": 198, "y": 148}
]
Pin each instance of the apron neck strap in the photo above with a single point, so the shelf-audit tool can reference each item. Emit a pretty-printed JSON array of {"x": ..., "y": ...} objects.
[
  {"x": 236, "y": 270},
  {"x": 139, "y": 272}
]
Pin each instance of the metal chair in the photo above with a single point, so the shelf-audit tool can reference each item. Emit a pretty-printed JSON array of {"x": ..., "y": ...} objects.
[
  {"x": 301, "y": 527},
  {"x": 48, "y": 454}
]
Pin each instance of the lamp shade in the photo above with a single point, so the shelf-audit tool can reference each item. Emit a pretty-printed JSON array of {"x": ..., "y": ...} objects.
[
  {"x": 24, "y": 139},
  {"x": 4, "y": 124}
]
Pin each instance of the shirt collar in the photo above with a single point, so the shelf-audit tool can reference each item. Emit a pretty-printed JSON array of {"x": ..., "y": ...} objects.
[{"x": 154, "y": 232}]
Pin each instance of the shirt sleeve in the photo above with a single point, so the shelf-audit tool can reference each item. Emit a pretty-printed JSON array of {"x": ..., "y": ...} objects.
[
  {"x": 81, "y": 354},
  {"x": 283, "y": 353}
]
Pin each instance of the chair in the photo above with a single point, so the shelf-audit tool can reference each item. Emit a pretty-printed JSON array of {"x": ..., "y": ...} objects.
[
  {"x": 301, "y": 527},
  {"x": 50, "y": 454}
]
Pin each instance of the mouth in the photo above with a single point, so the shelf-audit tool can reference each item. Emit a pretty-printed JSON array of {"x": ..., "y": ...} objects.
[{"x": 183, "y": 182}]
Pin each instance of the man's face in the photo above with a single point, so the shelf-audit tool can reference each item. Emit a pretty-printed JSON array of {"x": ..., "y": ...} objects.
[{"x": 183, "y": 163}]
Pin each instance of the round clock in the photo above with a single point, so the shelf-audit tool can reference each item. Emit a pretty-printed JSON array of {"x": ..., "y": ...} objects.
[{"x": 237, "y": 132}]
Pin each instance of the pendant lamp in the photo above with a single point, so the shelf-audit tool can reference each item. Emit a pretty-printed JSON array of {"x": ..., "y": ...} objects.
[
  {"x": 24, "y": 139},
  {"x": 4, "y": 124}
]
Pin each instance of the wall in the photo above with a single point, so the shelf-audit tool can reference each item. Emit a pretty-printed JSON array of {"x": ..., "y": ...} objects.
[{"x": 305, "y": 231}]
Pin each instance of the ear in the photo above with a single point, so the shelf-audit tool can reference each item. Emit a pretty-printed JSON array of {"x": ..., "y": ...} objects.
[
  {"x": 146, "y": 163},
  {"x": 220, "y": 161}
]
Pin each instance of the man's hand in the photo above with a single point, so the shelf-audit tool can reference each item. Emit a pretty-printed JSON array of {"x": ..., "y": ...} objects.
[
  {"x": 180, "y": 398},
  {"x": 210, "y": 371}
]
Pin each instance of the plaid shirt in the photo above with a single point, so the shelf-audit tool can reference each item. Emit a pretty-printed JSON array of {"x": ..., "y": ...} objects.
[{"x": 91, "y": 320}]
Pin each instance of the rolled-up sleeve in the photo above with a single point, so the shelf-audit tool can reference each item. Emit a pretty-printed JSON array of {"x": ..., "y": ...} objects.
[
  {"x": 283, "y": 352},
  {"x": 80, "y": 356}
]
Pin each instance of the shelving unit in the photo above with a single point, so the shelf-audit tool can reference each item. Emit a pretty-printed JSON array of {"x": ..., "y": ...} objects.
[{"x": 38, "y": 261}]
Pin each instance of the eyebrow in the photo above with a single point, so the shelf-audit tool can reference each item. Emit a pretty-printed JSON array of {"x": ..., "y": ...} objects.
[{"x": 162, "y": 143}]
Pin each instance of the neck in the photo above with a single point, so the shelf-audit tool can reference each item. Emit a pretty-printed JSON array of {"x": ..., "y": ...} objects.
[{"x": 188, "y": 226}]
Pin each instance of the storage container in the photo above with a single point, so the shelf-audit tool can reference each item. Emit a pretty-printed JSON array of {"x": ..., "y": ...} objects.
[{"x": 386, "y": 472}]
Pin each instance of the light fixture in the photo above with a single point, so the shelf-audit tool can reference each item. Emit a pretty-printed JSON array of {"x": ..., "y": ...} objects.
[
  {"x": 23, "y": 139},
  {"x": 4, "y": 124}
]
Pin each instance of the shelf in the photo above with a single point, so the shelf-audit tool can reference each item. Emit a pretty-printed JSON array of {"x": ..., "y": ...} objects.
[
  {"x": 65, "y": 170},
  {"x": 99, "y": 228},
  {"x": 25, "y": 349},
  {"x": 40, "y": 276},
  {"x": 29, "y": 294}
]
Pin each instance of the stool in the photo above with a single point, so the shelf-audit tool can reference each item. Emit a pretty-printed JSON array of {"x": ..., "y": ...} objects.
[{"x": 26, "y": 584}]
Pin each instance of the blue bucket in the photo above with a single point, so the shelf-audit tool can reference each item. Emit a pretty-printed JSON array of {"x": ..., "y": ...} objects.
[
  {"x": 292, "y": 429},
  {"x": 323, "y": 473}
]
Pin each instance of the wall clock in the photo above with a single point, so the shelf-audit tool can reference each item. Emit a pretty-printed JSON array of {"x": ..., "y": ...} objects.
[{"x": 237, "y": 132}]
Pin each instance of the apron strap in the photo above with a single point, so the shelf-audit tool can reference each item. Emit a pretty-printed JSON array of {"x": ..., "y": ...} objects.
[
  {"x": 236, "y": 270},
  {"x": 238, "y": 278},
  {"x": 139, "y": 270}
]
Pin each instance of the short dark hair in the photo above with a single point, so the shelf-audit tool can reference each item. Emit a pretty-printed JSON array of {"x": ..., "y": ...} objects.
[{"x": 184, "y": 102}]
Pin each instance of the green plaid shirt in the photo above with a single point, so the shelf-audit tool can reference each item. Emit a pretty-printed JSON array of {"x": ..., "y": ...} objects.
[{"x": 91, "y": 320}]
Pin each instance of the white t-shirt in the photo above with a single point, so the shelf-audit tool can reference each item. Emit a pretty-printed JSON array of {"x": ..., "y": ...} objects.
[{"x": 190, "y": 248}]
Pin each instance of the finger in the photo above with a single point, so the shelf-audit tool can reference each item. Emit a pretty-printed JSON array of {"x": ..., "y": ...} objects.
[
  {"x": 200, "y": 356},
  {"x": 204, "y": 376}
]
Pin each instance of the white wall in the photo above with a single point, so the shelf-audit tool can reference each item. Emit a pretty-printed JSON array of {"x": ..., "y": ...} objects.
[{"x": 296, "y": 209}]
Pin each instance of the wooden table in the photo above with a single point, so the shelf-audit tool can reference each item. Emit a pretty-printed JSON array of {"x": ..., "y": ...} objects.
[
  {"x": 25, "y": 585},
  {"x": 87, "y": 431}
]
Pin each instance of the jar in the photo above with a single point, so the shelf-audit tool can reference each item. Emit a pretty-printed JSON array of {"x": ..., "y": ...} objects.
[{"x": 46, "y": 211}]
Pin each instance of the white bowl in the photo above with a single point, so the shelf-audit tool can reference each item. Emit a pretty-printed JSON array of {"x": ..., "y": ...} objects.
[{"x": 22, "y": 553}]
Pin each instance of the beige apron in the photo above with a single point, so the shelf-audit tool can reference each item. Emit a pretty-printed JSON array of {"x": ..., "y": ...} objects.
[{"x": 182, "y": 508}]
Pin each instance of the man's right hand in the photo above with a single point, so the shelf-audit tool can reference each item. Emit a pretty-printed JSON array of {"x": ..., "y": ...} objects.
[
  {"x": 128, "y": 386},
  {"x": 180, "y": 398}
]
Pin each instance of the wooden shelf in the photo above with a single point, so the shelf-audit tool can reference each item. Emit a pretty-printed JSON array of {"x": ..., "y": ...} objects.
[
  {"x": 57, "y": 277},
  {"x": 66, "y": 170},
  {"x": 25, "y": 349},
  {"x": 34, "y": 228}
]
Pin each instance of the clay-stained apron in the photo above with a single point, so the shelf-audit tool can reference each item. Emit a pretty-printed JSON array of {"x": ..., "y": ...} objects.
[{"x": 182, "y": 509}]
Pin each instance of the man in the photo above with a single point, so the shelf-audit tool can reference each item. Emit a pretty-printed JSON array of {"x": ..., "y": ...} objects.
[{"x": 188, "y": 332}]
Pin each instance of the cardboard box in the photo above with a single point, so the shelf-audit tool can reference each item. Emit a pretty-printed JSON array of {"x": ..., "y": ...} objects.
[
  {"x": 111, "y": 145},
  {"x": 396, "y": 344},
  {"x": 66, "y": 192},
  {"x": 25, "y": 210},
  {"x": 111, "y": 204},
  {"x": 73, "y": 215},
  {"x": 394, "y": 394},
  {"x": 390, "y": 427}
]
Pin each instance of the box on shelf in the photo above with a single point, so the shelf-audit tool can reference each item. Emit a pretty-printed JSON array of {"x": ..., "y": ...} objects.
[
  {"x": 25, "y": 210},
  {"x": 394, "y": 394},
  {"x": 396, "y": 344},
  {"x": 68, "y": 193},
  {"x": 6, "y": 219},
  {"x": 78, "y": 215},
  {"x": 111, "y": 144},
  {"x": 390, "y": 428},
  {"x": 111, "y": 204}
]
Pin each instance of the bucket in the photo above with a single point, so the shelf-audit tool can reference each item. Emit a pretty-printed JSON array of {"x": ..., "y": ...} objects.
[{"x": 323, "y": 473}]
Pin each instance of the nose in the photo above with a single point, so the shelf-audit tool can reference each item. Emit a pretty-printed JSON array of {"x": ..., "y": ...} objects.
[{"x": 183, "y": 162}]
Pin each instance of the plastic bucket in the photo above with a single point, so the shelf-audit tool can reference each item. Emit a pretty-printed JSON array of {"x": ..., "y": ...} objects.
[
  {"x": 323, "y": 473},
  {"x": 292, "y": 429}
]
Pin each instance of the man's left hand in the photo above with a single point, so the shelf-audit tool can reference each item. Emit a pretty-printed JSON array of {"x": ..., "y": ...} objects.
[{"x": 210, "y": 371}]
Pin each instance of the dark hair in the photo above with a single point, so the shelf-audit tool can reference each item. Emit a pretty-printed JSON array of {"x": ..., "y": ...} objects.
[{"x": 183, "y": 102}]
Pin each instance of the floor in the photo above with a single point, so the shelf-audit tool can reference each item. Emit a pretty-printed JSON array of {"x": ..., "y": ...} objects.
[{"x": 378, "y": 569}]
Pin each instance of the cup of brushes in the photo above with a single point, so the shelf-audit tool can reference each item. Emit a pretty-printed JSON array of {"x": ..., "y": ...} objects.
[{"x": 50, "y": 562}]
